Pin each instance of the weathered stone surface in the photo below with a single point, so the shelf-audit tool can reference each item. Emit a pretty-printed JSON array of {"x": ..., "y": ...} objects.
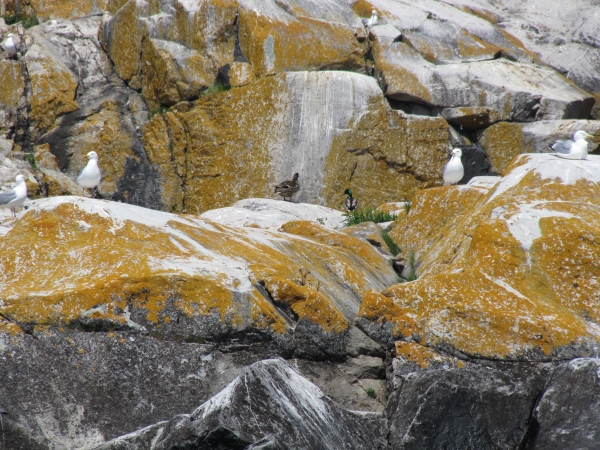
[
  {"x": 188, "y": 279},
  {"x": 237, "y": 74},
  {"x": 272, "y": 214},
  {"x": 566, "y": 415},
  {"x": 373, "y": 234},
  {"x": 470, "y": 118},
  {"x": 268, "y": 406},
  {"x": 504, "y": 141},
  {"x": 67, "y": 9},
  {"x": 527, "y": 243},
  {"x": 472, "y": 407},
  {"x": 229, "y": 154},
  {"x": 298, "y": 35}
]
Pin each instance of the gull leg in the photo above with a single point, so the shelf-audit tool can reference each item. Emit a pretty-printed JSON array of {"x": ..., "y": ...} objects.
[{"x": 14, "y": 213}]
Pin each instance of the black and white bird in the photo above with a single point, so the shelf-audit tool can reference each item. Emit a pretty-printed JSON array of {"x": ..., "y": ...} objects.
[
  {"x": 350, "y": 203},
  {"x": 288, "y": 188},
  {"x": 10, "y": 47},
  {"x": 90, "y": 175},
  {"x": 372, "y": 21},
  {"x": 454, "y": 170},
  {"x": 14, "y": 198},
  {"x": 573, "y": 150}
]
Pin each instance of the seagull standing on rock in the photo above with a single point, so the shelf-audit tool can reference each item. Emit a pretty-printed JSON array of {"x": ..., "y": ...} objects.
[
  {"x": 454, "y": 170},
  {"x": 14, "y": 198},
  {"x": 372, "y": 21},
  {"x": 10, "y": 47},
  {"x": 573, "y": 150},
  {"x": 89, "y": 176}
]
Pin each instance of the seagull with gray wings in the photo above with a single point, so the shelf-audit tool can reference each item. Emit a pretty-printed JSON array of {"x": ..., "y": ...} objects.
[
  {"x": 14, "y": 198},
  {"x": 90, "y": 175},
  {"x": 454, "y": 170},
  {"x": 572, "y": 149}
]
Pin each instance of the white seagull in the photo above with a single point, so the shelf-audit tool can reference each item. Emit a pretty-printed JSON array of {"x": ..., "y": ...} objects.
[
  {"x": 372, "y": 21},
  {"x": 573, "y": 150},
  {"x": 10, "y": 46},
  {"x": 14, "y": 198},
  {"x": 89, "y": 176},
  {"x": 454, "y": 170}
]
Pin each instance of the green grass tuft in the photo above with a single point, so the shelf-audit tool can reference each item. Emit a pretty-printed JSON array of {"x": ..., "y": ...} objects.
[
  {"x": 407, "y": 206},
  {"x": 27, "y": 21},
  {"x": 162, "y": 109},
  {"x": 390, "y": 243},
  {"x": 368, "y": 215},
  {"x": 31, "y": 160},
  {"x": 371, "y": 392},
  {"x": 215, "y": 89}
]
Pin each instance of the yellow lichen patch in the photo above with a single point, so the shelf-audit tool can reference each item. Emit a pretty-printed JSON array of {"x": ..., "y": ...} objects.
[
  {"x": 66, "y": 9},
  {"x": 417, "y": 353},
  {"x": 477, "y": 316},
  {"x": 382, "y": 309},
  {"x": 161, "y": 153},
  {"x": 10, "y": 328},
  {"x": 331, "y": 238},
  {"x": 12, "y": 85},
  {"x": 53, "y": 88},
  {"x": 387, "y": 157},
  {"x": 307, "y": 303},
  {"x": 364, "y": 8},
  {"x": 502, "y": 142},
  {"x": 272, "y": 45}
]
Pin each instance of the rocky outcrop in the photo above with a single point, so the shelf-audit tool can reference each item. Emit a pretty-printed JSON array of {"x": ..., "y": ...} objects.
[
  {"x": 524, "y": 240},
  {"x": 287, "y": 410}
]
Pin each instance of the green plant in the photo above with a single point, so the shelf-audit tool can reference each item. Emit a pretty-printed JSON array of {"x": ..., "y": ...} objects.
[
  {"x": 219, "y": 86},
  {"x": 174, "y": 207},
  {"x": 390, "y": 243},
  {"x": 368, "y": 215},
  {"x": 412, "y": 274},
  {"x": 371, "y": 392},
  {"x": 161, "y": 109},
  {"x": 27, "y": 21},
  {"x": 407, "y": 206},
  {"x": 31, "y": 160}
]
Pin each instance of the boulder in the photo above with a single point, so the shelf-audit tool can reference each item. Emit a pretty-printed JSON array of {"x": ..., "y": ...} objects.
[
  {"x": 503, "y": 141},
  {"x": 567, "y": 411},
  {"x": 268, "y": 406},
  {"x": 525, "y": 241}
]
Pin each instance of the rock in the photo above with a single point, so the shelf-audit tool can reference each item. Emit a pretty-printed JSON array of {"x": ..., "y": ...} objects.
[
  {"x": 237, "y": 74},
  {"x": 153, "y": 283},
  {"x": 288, "y": 408},
  {"x": 486, "y": 237},
  {"x": 371, "y": 233},
  {"x": 272, "y": 214},
  {"x": 474, "y": 406},
  {"x": 384, "y": 153},
  {"x": 503, "y": 141},
  {"x": 471, "y": 118},
  {"x": 301, "y": 36},
  {"x": 11, "y": 92},
  {"x": 65, "y": 9},
  {"x": 171, "y": 73},
  {"x": 566, "y": 413}
]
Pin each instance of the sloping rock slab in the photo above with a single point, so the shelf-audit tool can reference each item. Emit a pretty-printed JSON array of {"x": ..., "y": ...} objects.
[
  {"x": 566, "y": 415},
  {"x": 271, "y": 214},
  {"x": 268, "y": 406}
]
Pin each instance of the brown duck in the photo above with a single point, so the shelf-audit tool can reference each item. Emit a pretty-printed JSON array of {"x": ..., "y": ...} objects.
[{"x": 288, "y": 188}]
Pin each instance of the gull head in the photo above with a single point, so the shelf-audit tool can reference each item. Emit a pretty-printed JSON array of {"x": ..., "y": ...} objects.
[
  {"x": 374, "y": 13},
  {"x": 92, "y": 155},
  {"x": 457, "y": 152},
  {"x": 20, "y": 179},
  {"x": 581, "y": 135},
  {"x": 10, "y": 35}
]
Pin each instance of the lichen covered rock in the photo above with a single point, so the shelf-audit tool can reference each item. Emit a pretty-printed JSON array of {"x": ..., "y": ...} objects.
[{"x": 505, "y": 270}]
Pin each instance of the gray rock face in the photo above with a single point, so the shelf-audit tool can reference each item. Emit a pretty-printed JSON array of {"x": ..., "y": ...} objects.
[
  {"x": 475, "y": 407},
  {"x": 268, "y": 406},
  {"x": 566, "y": 415}
]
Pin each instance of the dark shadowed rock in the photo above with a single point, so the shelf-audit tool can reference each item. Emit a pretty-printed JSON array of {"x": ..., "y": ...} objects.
[
  {"x": 268, "y": 406},
  {"x": 474, "y": 407},
  {"x": 566, "y": 415}
]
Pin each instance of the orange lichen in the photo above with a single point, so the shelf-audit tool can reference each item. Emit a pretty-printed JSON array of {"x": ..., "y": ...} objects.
[{"x": 416, "y": 353}]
